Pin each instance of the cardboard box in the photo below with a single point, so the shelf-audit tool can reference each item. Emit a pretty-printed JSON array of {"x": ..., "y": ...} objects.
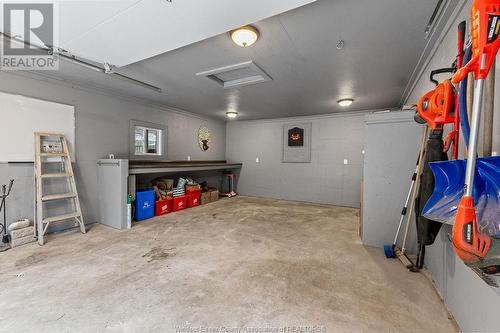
[
  {"x": 193, "y": 188},
  {"x": 165, "y": 183},
  {"x": 210, "y": 196},
  {"x": 205, "y": 198},
  {"x": 214, "y": 195}
]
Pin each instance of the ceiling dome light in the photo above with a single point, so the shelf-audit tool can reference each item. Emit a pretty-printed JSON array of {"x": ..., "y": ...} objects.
[
  {"x": 344, "y": 102},
  {"x": 245, "y": 36},
  {"x": 231, "y": 114}
]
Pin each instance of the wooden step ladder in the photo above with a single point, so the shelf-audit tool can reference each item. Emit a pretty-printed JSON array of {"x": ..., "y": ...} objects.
[{"x": 58, "y": 153}]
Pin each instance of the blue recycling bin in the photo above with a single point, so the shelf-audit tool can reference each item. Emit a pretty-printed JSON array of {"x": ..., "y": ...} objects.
[{"x": 144, "y": 204}]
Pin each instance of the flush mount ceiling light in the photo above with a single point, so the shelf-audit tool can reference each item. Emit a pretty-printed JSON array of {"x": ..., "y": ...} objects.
[
  {"x": 245, "y": 36},
  {"x": 344, "y": 102},
  {"x": 231, "y": 114}
]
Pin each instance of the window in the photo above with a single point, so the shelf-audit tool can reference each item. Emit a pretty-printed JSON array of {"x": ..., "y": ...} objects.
[{"x": 148, "y": 141}]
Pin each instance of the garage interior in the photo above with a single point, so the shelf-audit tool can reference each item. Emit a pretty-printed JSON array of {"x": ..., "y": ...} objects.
[{"x": 234, "y": 166}]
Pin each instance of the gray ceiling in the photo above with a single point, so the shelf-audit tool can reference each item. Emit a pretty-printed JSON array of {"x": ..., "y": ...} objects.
[{"x": 383, "y": 41}]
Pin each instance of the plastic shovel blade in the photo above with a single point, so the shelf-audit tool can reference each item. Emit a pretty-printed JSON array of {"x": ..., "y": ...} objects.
[{"x": 449, "y": 188}]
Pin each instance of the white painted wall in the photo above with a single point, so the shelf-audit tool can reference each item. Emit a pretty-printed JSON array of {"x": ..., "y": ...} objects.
[
  {"x": 325, "y": 180},
  {"x": 473, "y": 304},
  {"x": 28, "y": 115},
  {"x": 102, "y": 128}
]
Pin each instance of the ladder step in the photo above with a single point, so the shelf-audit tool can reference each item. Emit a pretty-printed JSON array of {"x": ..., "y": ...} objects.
[
  {"x": 53, "y": 154},
  {"x": 60, "y": 196},
  {"x": 61, "y": 217},
  {"x": 50, "y": 134},
  {"x": 57, "y": 175}
]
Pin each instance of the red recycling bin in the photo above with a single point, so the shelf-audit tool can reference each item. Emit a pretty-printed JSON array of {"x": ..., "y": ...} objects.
[
  {"x": 163, "y": 207},
  {"x": 194, "y": 199},
  {"x": 179, "y": 203}
]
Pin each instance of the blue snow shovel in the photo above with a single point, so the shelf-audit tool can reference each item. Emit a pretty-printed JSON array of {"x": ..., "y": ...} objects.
[{"x": 448, "y": 190}]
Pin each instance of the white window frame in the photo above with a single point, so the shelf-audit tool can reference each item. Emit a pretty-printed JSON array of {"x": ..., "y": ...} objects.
[{"x": 161, "y": 153}]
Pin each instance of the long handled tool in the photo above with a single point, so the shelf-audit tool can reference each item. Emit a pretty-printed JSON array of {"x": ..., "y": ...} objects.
[
  {"x": 402, "y": 253},
  {"x": 469, "y": 244},
  {"x": 389, "y": 249},
  {"x": 455, "y": 134},
  {"x": 392, "y": 251}
]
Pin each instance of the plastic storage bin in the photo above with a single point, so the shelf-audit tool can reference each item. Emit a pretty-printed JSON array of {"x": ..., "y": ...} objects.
[
  {"x": 194, "y": 198},
  {"x": 163, "y": 207},
  {"x": 144, "y": 204},
  {"x": 179, "y": 203}
]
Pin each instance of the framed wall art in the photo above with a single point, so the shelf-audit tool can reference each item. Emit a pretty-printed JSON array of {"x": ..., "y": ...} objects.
[{"x": 297, "y": 143}]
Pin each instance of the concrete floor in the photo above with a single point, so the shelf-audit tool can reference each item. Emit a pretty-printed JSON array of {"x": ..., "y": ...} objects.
[{"x": 242, "y": 262}]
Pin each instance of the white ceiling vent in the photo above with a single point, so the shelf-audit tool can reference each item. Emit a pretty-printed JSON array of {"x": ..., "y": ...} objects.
[{"x": 237, "y": 75}]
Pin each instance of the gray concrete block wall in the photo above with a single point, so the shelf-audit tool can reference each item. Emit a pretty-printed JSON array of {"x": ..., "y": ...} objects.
[
  {"x": 325, "y": 180},
  {"x": 473, "y": 304},
  {"x": 102, "y": 128}
]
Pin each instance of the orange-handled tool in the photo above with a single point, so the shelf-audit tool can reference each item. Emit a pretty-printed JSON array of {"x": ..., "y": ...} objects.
[{"x": 485, "y": 28}]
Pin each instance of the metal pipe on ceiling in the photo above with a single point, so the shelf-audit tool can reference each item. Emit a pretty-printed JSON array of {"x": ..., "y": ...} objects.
[
  {"x": 80, "y": 62},
  {"x": 64, "y": 55},
  {"x": 433, "y": 17}
]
